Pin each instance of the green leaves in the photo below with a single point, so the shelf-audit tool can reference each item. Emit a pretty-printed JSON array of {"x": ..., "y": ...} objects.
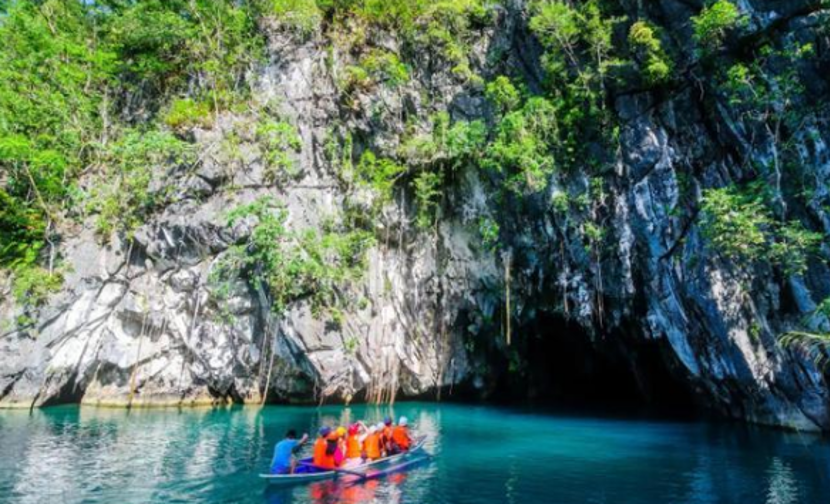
[
  {"x": 525, "y": 146},
  {"x": 428, "y": 195},
  {"x": 126, "y": 197},
  {"x": 379, "y": 174},
  {"x": 556, "y": 23},
  {"x": 302, "y": 17},
  {"x": 503, "y": 94},
  {"x": 715, "y": 22},
  {"x": 185, "y": 114},
  {"x": 278, "y": 140},
  {"x": 655, "y": 65},
  {"x": 292, "y": 264},
  {"x": 741, "y": 227},
  {"x": 163, "y": 45},
  {"x": 489, "y": 229},
  {"x": 735, "y": 222},
  {"x": 33, "y": 285}
]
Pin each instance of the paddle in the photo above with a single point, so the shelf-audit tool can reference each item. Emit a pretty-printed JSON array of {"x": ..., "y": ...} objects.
[{"x": 335, "y": 469}]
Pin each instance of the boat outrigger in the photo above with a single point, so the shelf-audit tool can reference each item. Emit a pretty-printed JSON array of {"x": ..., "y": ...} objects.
[{"x": 307, "y": 473}]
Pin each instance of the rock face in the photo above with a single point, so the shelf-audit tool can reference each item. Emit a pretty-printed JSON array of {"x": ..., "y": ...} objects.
[{"x": 137, "y": 321}]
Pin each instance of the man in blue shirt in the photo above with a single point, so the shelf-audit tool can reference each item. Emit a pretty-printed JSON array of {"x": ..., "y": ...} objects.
[{"x": 284, "y": 461}]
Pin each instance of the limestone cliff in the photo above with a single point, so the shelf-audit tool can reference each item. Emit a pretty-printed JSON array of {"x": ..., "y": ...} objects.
[{"x": 139, "y": 322}]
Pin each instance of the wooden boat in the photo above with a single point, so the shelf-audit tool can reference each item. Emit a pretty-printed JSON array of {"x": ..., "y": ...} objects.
[{"x": 307, "y": 473}]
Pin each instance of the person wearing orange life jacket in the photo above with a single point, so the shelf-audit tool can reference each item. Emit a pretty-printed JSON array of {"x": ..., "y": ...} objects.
[
  {"x": 354, "y": 446},
  {"x": 372, "y": 444},
  {"x": 323, "y": 456},
  {"x": 386, "y": 435},
  {"x": 401, "y": 439}
]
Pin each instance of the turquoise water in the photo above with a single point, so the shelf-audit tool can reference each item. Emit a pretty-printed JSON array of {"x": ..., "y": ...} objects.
[{"x": 481, "y": 455}]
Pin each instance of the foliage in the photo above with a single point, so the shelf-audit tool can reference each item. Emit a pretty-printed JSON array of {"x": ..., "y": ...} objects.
[
  {"x": 278, "y": 139},
  {"x": 443, "y": 28},
  {"x": 185, "y": 114},
  {"x": 655, "y": 65},
  {"x": 503, "y": 94},
  {"x": 165, "y": 44},
  {"x": 379, "y": 174},
  {"x": 294, "y": 265},
  {"x": 302, "y": 17},
  {"x": 815, "y": 344},
  {"x": 571, "y": 123},
  {"x": 560, "y": 202},
  {"x": 33, "y": 284},
  {"x": 447, "y": 146},
  {"x": 489, "y": 231},
  {"x": 428, "y": 195},
  {"x": 762, "y": 95},
  {"x": 578, "y": 45},
  {"x": 715, "y": 22},
  {"x": 64, "y": 67},
  {"x": 526, "y": 146},
  {"x": 766, "y": 95},
  {"x": 52, "y": 77},
  {"x": 384, "y": 66},
  {"x": 128, "y": 197},
  {"x": 741, "y": 227},
  {"x": 376, "y": 67}
]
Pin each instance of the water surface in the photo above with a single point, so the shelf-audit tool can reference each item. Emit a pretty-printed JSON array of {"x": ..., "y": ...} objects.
[{"x": 481, "y": 455}]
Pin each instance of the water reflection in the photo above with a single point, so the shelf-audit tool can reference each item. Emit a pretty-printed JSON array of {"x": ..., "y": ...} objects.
[
  {"x": 480, "y": 455},
  {"x": 783, "y": 488}
]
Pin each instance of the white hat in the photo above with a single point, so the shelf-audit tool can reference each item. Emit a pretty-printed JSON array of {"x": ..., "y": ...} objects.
[
  {"x": 402, "y": 422},
  {"x": 380, "y": 426}
]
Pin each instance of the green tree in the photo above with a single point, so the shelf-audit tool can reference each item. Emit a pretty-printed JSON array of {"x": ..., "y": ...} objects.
[
  {"x": 655, "y": 65},
  {"x": 715, "y": 22},
  {"x": 740, "y": 226}
]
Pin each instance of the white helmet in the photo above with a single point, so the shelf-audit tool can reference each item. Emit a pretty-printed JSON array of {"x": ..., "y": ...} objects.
[{"x": 402, "y": 422}]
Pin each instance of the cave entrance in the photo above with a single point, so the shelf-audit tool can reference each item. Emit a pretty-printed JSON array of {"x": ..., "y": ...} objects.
[{"x": 560, "y": 365}]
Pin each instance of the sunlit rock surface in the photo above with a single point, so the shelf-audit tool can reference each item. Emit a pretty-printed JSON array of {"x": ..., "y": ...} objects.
[{"x": 136, "y": 322}]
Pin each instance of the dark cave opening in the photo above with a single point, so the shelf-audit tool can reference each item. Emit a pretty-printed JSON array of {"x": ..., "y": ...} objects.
[{"x": 560, "y": 365}]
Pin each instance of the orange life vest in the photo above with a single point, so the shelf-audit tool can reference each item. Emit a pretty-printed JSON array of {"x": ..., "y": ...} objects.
[
  {"x": 372, "y": 446},
  {"x": 387, "y": 434},
  {"x": 352, "y": 447},
  {"x": 400, "y": 436},
  {"x": 320, "y": 457}
]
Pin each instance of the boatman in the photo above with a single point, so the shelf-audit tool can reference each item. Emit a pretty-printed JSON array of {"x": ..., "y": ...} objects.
[{"x": 284, "y": 453}]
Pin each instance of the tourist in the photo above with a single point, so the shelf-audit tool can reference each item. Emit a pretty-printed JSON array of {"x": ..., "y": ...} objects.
[
  {"x": 321, "y": 457},
  {"x": 386, "y": 434},
  {"x": 341, "y": 440},
  {"x": 372, "y": 445},
  {"x": 401, "y": 439},
  {"x": 354, "y": 446},
  {"x": 285, "y": 461}
]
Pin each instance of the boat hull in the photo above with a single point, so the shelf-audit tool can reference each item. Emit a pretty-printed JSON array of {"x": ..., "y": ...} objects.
[{"x": 306, "y": 474}]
